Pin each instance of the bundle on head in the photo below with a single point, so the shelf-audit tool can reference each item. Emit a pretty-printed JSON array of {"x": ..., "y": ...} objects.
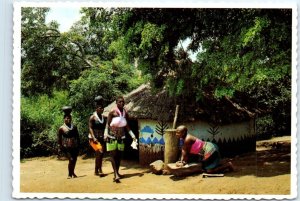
[{"x": 67, "y": 110}]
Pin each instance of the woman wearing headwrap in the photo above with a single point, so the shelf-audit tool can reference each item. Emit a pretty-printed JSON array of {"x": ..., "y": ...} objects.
[{"x": 68, "y": 141}]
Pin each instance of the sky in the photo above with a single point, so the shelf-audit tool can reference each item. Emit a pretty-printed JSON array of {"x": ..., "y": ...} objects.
[{"x": 65, "y": 16}]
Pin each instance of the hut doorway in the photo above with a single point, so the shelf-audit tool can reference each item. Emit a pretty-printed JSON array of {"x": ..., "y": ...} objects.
[{"x": 129, "y": 153}]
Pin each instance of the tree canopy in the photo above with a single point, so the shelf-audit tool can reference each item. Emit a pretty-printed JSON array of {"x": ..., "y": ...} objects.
[
  {"x": 243, "y": 54},
  {"x": 239, "y": 49}
]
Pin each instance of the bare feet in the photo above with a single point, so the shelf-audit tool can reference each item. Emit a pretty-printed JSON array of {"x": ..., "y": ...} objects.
[
  {"x": 101, "y": 174},
  {"x": 231, "y": 167},
  {"x": 117, "y": 180}
]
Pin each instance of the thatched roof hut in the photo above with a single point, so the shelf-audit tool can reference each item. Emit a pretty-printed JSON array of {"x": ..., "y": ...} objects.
[
  {"x": 143, "y": 103},
  {"x": 222, "y": 121}
]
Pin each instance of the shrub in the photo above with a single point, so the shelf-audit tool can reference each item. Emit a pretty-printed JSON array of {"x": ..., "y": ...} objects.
[{"x": 41, "y": 117}]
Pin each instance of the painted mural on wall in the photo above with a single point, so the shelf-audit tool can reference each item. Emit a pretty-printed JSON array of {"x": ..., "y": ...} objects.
[
  {"x": 214, "y": 130},
  {"x": 151, "y": 137},
  {"x": 151, "y": 146},
  {"x": 160, "y": 127},
  {"x": 232, "y": 139}
]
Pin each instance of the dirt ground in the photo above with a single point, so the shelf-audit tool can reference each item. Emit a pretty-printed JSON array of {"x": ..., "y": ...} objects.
[{"x": 266, "y": 171}]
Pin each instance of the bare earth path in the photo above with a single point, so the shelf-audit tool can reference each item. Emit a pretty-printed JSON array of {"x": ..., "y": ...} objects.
[{"x": 266, "y": 171}]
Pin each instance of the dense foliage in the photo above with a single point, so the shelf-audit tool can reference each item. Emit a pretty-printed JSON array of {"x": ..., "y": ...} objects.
[
  {"x": 40, "y": 119},
  {"x": 242, "y": 54}
]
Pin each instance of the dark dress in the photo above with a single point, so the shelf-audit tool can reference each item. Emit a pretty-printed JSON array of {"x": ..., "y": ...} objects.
[
  {"x": 70, "y": 142},
  {"x": 98, "y": 129},
  {"x": 68, "y": 139}
]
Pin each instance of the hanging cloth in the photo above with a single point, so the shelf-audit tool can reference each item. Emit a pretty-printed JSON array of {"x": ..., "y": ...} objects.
[{"x": 119, "y": 121}]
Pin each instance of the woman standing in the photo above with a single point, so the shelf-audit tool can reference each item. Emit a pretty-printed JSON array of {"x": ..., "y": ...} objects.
[
  {"x": 96, "y": 134},
  {"x": 117, "y": 125},
  {"x": 68, "y": 141}
]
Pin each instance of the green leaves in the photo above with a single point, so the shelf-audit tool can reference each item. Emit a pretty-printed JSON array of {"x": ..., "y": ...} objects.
[
  {"x": 254, "y": 31},
  {"x": 41, "y": 117},
  {"x": 43, "y": 54},
  {"x": 150, "y": 35},
  {"x": 221, "y": 92}
]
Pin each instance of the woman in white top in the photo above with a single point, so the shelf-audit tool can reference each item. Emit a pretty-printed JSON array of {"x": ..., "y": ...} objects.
[{"x": 115, "y": 134}]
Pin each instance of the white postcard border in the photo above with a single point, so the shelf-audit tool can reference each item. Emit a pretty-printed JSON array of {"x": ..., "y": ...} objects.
[{"x": 188, "y": 4}]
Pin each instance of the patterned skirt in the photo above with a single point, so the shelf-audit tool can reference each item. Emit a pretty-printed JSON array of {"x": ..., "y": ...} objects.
[{"x": 211, "y": 158}]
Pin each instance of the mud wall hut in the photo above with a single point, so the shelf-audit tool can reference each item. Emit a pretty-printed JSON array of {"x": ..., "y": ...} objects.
[{"x": 221, "y": 121}]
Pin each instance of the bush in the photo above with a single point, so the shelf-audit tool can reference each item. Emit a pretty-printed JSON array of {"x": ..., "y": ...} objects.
[
  {"x": 265, "y": 127},
  {"x": 41, "y": 117}
]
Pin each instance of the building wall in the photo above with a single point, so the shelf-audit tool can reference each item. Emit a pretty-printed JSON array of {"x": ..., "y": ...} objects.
[
  {"x": 210, "y": 132},
  {"x": 232, "y": 139}
]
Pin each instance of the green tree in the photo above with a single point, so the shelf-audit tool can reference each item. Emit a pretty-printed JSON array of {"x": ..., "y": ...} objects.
[
  {"x": 244, "y": 54},
  {"x": 109, "y": 74},
  {"x": 39, "y": 54},
  {"x": 49, "y": 59}
]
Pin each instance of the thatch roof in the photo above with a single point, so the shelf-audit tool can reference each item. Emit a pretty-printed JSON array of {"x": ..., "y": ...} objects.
[{"x": 142, "y": 103}]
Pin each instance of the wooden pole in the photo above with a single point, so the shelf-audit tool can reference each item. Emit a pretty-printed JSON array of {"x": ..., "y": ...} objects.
[{"x": 175, "y": 117}]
